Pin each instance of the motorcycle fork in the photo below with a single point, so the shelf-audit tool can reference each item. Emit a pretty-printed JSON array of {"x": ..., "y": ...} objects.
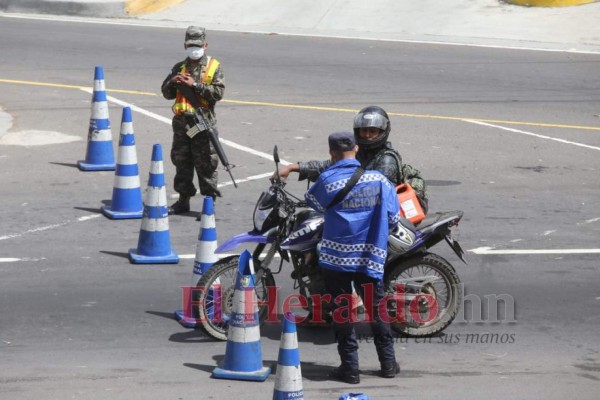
[
  {"x": 298, "y": 282},
  {"x": 268, "y": 258}
]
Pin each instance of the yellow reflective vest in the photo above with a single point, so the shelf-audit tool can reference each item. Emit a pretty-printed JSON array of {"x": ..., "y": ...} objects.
[{"x": 182, "y": 105}]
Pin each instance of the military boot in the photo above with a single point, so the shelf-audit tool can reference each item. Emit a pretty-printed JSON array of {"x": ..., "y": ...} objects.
[{"x": 180, "y": 206}]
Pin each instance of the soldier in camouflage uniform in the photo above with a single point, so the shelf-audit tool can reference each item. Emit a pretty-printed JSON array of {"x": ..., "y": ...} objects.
[
  {"x": 192, "y": 150},
  {"x": 371, "y": 130}
]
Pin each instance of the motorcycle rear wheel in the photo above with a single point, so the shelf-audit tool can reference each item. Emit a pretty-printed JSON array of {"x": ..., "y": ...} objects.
[
  {"x": 446, "y": 291},
  {"x": 222, "y": 275}
]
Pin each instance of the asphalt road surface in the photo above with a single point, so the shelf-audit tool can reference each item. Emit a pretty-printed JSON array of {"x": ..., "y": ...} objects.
[{"x": 510, "y": 137}]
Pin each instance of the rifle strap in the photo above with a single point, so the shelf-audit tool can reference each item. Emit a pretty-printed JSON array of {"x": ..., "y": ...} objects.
[{"x": 349, "y": 185}]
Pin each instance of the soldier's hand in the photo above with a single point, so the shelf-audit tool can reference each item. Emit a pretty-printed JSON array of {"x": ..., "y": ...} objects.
[
  {"x": 284, "y": 172},
  {"x": 187, "y": 79},
  {"x": 274, "y": 177}
]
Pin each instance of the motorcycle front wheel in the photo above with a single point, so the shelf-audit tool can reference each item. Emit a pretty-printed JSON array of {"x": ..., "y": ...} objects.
[
  {"x": 428, "y": 292},
  {"x": 215, "y": 295}
]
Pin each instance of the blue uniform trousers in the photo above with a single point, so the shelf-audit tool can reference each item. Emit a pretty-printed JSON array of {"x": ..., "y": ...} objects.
[{"x": 338, "y": 283}]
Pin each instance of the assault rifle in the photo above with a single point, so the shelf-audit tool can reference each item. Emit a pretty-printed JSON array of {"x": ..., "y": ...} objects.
[{"x": 203, "y": 124}]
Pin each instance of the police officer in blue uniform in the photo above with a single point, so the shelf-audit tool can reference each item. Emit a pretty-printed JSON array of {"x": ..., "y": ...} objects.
[{"x": 354, "y": 249}]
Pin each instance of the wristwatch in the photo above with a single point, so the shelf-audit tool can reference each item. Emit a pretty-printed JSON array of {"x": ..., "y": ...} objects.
[{"x": 195, "y": 85}]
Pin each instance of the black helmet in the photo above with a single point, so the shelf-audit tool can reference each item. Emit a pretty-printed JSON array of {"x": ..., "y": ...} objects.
[{"x": 372, "y": 117}]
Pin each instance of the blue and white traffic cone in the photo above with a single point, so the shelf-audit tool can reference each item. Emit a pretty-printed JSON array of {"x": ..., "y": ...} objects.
[
  {"x": 243, "y": 358},
  {"x": 205, "y": 258},
  {"x": 154, "y": 245},
  {"x": 288, "y": 379},
  {"x": 127, "y": 193},
  {"x": 99, "y": 155}
]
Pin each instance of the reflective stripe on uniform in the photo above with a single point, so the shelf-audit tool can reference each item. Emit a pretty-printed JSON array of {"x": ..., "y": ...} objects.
[{"x": 182, "y": 105}]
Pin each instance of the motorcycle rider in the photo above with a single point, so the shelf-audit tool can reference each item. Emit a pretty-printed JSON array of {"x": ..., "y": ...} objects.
[{"x": 372, "y": 128}]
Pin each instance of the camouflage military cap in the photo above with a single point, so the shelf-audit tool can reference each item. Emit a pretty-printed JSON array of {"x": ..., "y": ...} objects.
[{"x": 195, "y": 36}]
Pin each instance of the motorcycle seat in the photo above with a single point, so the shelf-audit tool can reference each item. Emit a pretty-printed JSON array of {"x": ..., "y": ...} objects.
[{"x": 432, "y": 221}]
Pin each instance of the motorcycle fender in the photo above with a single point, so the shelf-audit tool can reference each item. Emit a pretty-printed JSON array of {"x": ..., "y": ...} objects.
[
  {"x": 456, "y": 247},
  {"x": 246, "y": 237}
]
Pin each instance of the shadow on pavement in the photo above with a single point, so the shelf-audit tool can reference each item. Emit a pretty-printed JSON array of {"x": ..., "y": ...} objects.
[
  {"x": 191, "y": 336},
  {"x": 93, "y": 210},
  {"x": 163, "y": 314},
  {"x": 115, "y": 253},
  {"x": 65, "y": 164}
]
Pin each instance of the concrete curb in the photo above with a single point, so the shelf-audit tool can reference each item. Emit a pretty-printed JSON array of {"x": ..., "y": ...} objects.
[
  {"x": 137, "y": 7},
  {"x": 88, "y": 8},
  {"x": 549, "y": 3}
]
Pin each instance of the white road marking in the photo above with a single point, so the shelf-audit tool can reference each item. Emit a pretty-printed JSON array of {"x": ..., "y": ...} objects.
[
  {"x": 168, "y": 122},
  {"x": 491, "y": 251},
  {"x": 248, "y": 179},
  {"x": 549, "y": 232},
  {"x": 11, "y": 259},
  {"x": 40, "y": 229},
  {"x": 533, "y": 134},
  {"x": 87, "y": 217},
  {"x": 44, "y": 228},
  {"x": 589, "y": 221}
]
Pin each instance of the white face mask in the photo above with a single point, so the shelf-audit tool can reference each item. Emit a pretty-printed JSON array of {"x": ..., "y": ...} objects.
[{"x": 195, "y": 53}]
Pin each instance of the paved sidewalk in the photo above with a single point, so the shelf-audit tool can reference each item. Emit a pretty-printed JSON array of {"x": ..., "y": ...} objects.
[{"x": 479, "y": 22}]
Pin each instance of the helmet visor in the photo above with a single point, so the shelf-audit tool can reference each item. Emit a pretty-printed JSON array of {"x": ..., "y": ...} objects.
[{"x": 370, "y": 120}]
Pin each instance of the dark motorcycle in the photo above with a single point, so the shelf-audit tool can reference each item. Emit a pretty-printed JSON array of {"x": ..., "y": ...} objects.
[{"x": 424, "y": 288}]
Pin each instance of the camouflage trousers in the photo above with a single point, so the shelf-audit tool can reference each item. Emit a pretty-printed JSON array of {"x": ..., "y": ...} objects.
[{"x": 193, "y": 154}]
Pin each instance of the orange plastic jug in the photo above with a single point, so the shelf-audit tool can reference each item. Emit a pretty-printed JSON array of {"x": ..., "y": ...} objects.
[{"x": 410, "y": 207}]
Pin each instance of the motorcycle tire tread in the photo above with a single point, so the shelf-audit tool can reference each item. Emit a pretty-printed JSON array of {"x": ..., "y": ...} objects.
[{"x": 443, "y": 267}]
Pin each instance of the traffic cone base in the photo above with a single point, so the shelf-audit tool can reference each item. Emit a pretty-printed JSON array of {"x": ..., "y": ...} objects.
[
  {"x": 259, "y": 376},
  {"x": 155, "y": 240},
  {"x": 171, "y": 258},
  {"x": 243, "y": 358}
]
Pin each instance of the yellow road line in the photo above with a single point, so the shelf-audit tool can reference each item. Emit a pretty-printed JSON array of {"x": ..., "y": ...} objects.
[
  {"x": 73, "y": 87},
  {"x": 549, "y": 3},
  {"x": 319, "y": 108}
]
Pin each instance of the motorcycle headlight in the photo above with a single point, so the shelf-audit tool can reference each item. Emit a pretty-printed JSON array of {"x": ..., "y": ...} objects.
[
  {"x": 260, "y": 216},
  {"x": 264, "y": 211}
]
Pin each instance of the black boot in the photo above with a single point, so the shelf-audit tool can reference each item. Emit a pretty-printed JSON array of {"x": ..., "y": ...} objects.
[
  {"x": 180, "y": 206},
  {"x": 351, "y": 376},
  {"x": 390, "y": 370}
]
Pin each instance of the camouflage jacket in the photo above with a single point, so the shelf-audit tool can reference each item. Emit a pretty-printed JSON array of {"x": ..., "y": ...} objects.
[
  {"x": 385, "y": 160},
  {"x": 212, "y": 93}
]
